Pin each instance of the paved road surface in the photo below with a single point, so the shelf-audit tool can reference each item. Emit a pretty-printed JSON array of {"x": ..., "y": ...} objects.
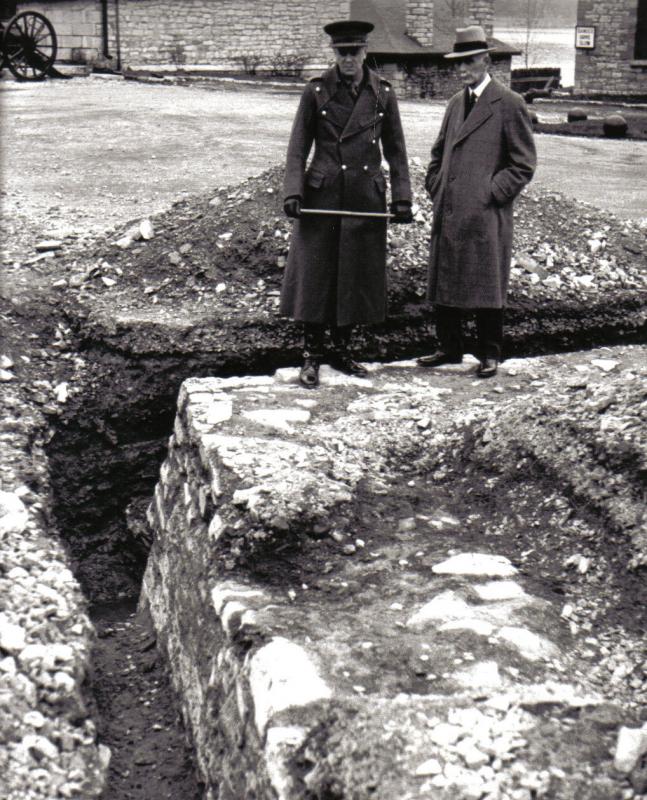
[{"x": 93, "y": 152}]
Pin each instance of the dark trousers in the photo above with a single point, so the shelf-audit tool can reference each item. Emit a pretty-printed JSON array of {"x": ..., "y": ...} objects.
[
  {"x": 314, "y": 334},
  {"x": 489, "y": 331}
]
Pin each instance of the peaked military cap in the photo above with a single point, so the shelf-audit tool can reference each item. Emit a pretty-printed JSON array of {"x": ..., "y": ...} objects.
[{"x": 349, "y": 32}]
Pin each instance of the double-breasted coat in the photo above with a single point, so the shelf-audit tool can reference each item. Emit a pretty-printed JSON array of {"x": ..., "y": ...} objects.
[
  {"x": 336, "y": 267},
  {"x": 479, "y": 164}
]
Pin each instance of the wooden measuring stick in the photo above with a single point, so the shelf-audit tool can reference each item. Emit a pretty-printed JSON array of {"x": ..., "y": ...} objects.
[{"x": 333, "y": 213}]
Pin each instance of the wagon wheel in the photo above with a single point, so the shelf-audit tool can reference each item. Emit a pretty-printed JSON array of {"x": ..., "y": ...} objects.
[{"x": 29, "y": 45}]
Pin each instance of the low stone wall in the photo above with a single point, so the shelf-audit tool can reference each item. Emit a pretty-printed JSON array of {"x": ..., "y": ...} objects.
[
  {"x": 48, "y": 742},
  {"x": 437, "y": 80},
  {"x": 229, "y": 34},
  {"x": 317, "y": 655}
]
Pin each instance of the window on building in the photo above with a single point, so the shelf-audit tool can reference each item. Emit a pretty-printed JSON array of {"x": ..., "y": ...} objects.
[{"x": 640, "y": 48}]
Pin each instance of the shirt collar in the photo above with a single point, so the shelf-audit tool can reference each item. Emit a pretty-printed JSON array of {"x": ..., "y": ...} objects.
[{"x": 479, "y": 89}]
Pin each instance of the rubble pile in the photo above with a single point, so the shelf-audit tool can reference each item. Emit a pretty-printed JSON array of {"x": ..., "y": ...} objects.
[
  {"x": 48, "y": 741},
  {"x": 226, "y": 252}
]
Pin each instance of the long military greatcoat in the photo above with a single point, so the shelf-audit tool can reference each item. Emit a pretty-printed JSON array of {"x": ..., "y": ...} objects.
[
  {"x": 336, "y": 267},
  {"x": 478, "y": 166}
]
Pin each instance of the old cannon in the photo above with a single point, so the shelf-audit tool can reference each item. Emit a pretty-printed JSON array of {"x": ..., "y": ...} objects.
[{"x": 27, "y": 42}]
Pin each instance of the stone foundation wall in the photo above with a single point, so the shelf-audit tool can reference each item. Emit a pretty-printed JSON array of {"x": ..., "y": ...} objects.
[
  {"x": 434, "y": 79},
  {"x": 299, "y": 650},
  {"x": 607, "y": 69},
  {"x": 228, "y": 34},
  {"x": 233, "y": 677}
]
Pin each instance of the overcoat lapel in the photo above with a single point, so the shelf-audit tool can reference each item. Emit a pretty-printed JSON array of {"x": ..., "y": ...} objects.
[{"x": 481, "y": 112}]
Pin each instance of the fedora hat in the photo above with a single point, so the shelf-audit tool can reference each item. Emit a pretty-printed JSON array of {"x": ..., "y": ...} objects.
[{"x": 470, "y": 41}]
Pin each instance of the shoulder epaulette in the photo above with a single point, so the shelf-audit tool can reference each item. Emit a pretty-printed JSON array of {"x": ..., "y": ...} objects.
[
  {"x": 384, "y": 80},
  {"x": 316, "y": 78}
]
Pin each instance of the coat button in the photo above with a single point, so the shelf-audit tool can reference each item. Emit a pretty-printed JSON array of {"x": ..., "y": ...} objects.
[
  {"x": 343, "y": 166},
  {"x": 365, "y": 168},
  {"x": 387, "y": 88},
  {"x": 380, "y": 114},
  {"x": 373, "y": 142},
  {"x": 317, "y": 88},
  {"x": 323, "y": 113},
  {"x": 452, "y": 177}
]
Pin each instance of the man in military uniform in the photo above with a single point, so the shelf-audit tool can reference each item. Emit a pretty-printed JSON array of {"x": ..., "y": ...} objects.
[{"x": 335, "y": 275}]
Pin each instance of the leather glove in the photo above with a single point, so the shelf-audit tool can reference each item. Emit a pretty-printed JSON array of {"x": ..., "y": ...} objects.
[
  {"x": 402, "y": 211},
  {"x": 292, "y": 207}
]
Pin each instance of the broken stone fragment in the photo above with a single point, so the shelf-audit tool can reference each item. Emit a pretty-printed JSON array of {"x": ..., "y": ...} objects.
[
  {"x": 6, "y": 376},
  {"x": 46, "y": 246},
  {"x": 12, "y": 637},
  {"x": 146, "y": 229},
  {"x": 430, "y": 767},
  {"x": 5, "y": 362},
  {"x": 13, "y": 514},
  {"x": 631, "y": 745}
]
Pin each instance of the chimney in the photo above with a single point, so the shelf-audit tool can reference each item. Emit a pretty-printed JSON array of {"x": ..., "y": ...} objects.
[
  {"x": 482, "y": 13},
  {"x": 420, "y": 21}
]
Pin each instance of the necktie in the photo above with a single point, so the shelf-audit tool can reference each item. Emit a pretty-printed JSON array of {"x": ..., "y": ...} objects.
[
  {"x": 354, "y": 91},
  {"x": 469, "y": 102}
]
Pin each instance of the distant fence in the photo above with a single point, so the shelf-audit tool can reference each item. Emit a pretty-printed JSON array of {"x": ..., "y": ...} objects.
[{"x": 535, "y": 78}]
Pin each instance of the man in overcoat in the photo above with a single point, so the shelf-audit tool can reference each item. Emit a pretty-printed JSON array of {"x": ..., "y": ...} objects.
[
  {"x": 335, "y": 275},
  {"x": 483, "y": 157}
]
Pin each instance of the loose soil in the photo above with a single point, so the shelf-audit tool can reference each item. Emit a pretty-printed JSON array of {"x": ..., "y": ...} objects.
[{"x": 136, "y": 714}]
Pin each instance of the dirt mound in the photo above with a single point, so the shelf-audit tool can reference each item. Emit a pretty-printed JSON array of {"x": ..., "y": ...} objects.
[{"x": 224, "y": 254}]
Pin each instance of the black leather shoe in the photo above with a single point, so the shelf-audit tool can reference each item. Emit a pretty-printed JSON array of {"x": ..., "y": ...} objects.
[
  {"x": 438, "y": 358},
  {"x": 487, "y": 368},
  {"x": 344, "y": 362},
  {"x": 309, "y": 372}
]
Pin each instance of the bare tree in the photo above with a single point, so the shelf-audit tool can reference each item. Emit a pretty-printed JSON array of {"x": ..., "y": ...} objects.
[
  {"x": 532, "y": 13},
  {"x": 450, "y": 14}
]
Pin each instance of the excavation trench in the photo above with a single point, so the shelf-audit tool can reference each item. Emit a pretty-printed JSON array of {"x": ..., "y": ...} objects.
[{"x": 105, "y": 458}]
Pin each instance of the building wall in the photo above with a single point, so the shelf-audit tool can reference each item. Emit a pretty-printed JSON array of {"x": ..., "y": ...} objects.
[
  {"x": 608, "y": 68},
  {"x": 227, "y": 34},
  {"x": 78, "y": 27},
  {"x": 433, "y": 79}
]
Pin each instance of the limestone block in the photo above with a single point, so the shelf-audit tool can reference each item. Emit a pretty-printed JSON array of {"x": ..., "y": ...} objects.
[
  {"x": 479, "y": 626},
  {"x": 482, "y": 675},
  {"x": 530, "y": 645},
  {"x": 224, "y": 593},
  {"x": 279, "y": 418},
  {"x": 447, "y": 605},
  {"x": 500, "y": 590},
  {"x": 476, "y": 564},
  {"x": 280, "y": 745},
  {"x": 204, "y": 417},
  {"x": 281, "y": 676}
]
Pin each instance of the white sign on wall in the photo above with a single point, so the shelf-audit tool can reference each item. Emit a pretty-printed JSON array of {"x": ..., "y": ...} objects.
[{"x": 585, "y": 37}]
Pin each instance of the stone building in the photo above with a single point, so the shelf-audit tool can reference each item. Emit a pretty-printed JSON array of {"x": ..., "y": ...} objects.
[
  {"x": 611, "y": 49},
  {"x": 279, "y": 37},
  {"x": 412, "y": 36}
]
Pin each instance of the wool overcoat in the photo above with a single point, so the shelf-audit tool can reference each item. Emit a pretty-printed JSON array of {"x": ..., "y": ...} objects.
[
  {"x": 479, "y": 164},
  {"x": 336, "y": 267}
]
